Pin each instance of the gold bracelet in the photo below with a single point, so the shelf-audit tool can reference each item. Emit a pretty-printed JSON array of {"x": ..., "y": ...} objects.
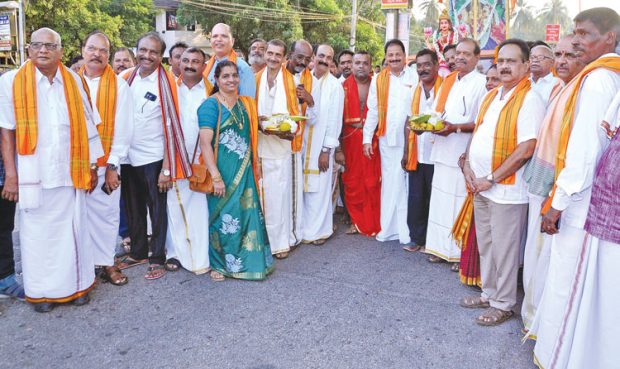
[{"x": 216, "y": 178}]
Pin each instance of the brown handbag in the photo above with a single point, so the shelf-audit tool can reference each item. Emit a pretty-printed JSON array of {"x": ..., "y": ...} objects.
[{"x": 201, "y": 180}]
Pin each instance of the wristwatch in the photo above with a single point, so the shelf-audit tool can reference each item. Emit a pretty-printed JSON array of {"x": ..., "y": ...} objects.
[
  {"x": 326, "y": 149},
  {"x": 165, "y": 172},
  {"x": 490, "y": 178},
  {"x": 112, "y": 167}
]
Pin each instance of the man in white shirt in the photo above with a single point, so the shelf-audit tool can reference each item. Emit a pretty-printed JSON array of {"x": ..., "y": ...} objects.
[
  {"x": 541, "y": 62},
  {"x": 457, "y": 101},
  {"x": 47, "y": 175},
  {"x": 345, "y": 64},
  {"x": 320, "y": 140},
  {"x": 420, "y": 167},
  {"x": 111, "y": 95},
  {"x": 389, "y": 104},
  {"x": 494, "y": 173},
  {"x": 187, "y": 242},
  {"x": 565, "y": 211},
  {"x": 176, "y": 51},
  {"x": 156, "y": 149}
]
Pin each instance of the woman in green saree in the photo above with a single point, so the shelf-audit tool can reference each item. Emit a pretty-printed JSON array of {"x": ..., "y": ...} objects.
[{"x": 239, "y": 247}]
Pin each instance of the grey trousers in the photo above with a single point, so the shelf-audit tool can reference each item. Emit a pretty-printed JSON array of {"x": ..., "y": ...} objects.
[{"x": 499, "y": 231}]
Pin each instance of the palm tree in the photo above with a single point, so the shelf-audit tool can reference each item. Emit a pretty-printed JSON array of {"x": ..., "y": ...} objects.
[
  {"x": 524, "y": 24},
  {"x": 431, "y": 9},
  {"x": 555, "y": 12}
]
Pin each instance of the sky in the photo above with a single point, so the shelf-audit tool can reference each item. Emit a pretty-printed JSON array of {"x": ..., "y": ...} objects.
[{"x": 573, "y": 5}]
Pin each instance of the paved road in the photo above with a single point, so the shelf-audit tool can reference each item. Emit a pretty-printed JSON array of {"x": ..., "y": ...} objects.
[{"x": 352, "y": 303}]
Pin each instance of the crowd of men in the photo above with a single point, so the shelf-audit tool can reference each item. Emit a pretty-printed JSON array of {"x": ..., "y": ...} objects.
[{"x": 522, "y": 156}]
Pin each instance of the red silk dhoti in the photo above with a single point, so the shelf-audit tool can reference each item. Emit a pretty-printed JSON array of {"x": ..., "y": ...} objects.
[
  {"x": 362, "y": 182},
  {"x": 470, "y": 259}
]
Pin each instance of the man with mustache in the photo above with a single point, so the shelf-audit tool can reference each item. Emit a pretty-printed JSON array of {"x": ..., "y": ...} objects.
[
  {"x": 362, "y": 176},
  {"x": 222, "y": 42},
  {"x": 258, "y": 46},
  {"x": 457, "y": 102},
  {"x": 299, "y": 59},
  {"x": 541, "y": 61},
  {"x": 276, "y": 93},
  {"x": 492, "y": 77},
  {"x": 345, "y": 63},
  {"x": 175, "y": 57},
  {"x": 123, "y": 59},
  {"x": 449, "y": 54},
  {"x": 538, "y": 178},
  {"x": 389, "y": 104},
  {"x": 574, "y": 153},
  {"x": 320, "y": 141},
  {"x": 503, "y": 141},
  {"x": 50, "y": 159},
  {"x": 157, "y": 155},
  {"x": 187, "y": 243},
  {"x": 111, "y": 95},
  {"x": 416, "y": 157}
]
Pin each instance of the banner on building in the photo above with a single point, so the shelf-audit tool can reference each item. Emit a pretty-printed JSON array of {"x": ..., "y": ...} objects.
[
  {"x": 394, "y": 4},
  {"x": 552, "y": 33},
  {"x": 5, "y": 32}
]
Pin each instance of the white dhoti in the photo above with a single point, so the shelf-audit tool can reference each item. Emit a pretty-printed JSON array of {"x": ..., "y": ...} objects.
[
  {"x": 297, "y": 200},
  {"x": 590, "y": 324},
  {"x": 277, "y": 202},
  {"x": 565, "y": 248},
  {"x": 394, "y": 194},
  {"x": 188, "y": 227},
  {"x": 447, "y": 197},
  {"x": 318, "y": 208},
  {"x": 103, "y": 212},
  {"x": 57, "y": 259},
  {"x": 536, "y": 261}
]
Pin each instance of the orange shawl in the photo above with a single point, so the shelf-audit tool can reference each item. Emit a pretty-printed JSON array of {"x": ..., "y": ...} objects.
[
  {"x": 211, "y": 62},
  {"x": 610, "y": 63},
  {"x": 412, "y": 140},
  {"x": 291, "y": 101},
  {"x": 383, "y": 89},
  {"x": 505, "y": 140},
  {"x": 444, "y": 92},
  {"x": 250, "y": 107},
  {"x": 106, "y": 105},
  {"x": 26, "y": 119}
]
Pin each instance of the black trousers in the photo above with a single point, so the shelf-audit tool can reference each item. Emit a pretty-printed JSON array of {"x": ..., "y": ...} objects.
[
  {"x": 140, "y": 191},
  {"x": 7, "y": 222},
  {"x": 420, "y": 185}
]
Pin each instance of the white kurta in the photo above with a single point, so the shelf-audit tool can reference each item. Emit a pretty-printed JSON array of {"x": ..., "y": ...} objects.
[
  {"x": 544, "y": 86},
  {"x": 394, "y": 180},
  {"x": 449, "y": 190},
  {"x": 276, "y": 157},
  {"x": 103, "y": 209},
  {"x": 323, "y": 130},
  {"x": 187, "y": 239},
  {"x": 574, "y": 185},
  {"x": 56, "y": 258}
]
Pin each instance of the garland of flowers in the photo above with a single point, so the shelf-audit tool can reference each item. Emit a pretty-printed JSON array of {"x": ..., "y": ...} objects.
[{"x": 453, "y": 38}]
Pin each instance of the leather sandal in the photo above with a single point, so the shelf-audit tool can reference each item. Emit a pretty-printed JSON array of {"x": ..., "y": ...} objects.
[{"x": 113, "y": 275}]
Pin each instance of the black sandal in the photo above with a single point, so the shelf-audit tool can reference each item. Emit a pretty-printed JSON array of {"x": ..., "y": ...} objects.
[{"x": 172, "y": 265}]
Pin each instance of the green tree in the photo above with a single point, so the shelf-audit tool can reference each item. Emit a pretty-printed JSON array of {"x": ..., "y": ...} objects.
[
  {"x": 555, "y": 12},
  {"x": 121, "y": 20},
  {"x": 248, "y": 21},
  {"x": 524, "y": 24},
  {"x": 431, "y": 10}
]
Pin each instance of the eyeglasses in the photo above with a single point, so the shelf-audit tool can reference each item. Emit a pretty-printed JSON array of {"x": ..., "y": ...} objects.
[
  {"x": 92, "y": 49},
  {"x": 567, "y": 55},
  {"x": 539, "y": 58},
  {"x": 48, "y": 45}
]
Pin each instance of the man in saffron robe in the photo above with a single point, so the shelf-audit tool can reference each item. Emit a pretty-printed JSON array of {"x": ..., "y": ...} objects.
[
  {"x": 503, "y": 141},
  {"x": 389, "y": 103},
  {"x": 362, "y": 175},
  {"x": 50, "y": 148},
  {"x": 578, "y": 147}
]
